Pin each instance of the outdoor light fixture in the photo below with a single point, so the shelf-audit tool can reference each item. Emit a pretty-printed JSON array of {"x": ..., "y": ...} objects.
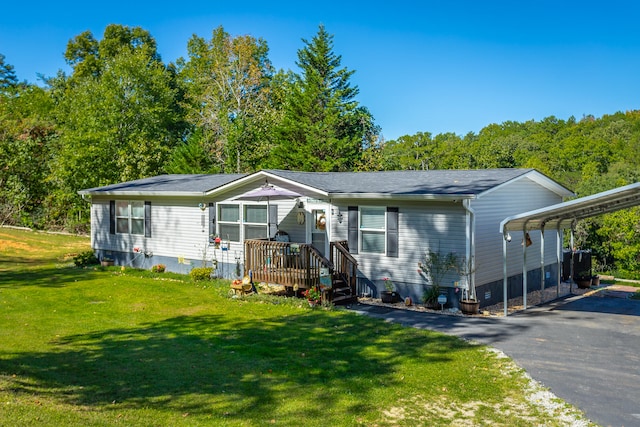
[
  {"x": 507, "y": 237},
  {"x": 339, "y": 217}
]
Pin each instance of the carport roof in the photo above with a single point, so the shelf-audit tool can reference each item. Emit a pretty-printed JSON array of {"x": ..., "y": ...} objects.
[{"x": 563, "y": 214}]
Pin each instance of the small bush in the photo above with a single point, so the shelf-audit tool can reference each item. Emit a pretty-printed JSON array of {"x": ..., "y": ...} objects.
[
  {"x": 201, "y": 273},
  {"x": 159, "y": 268},
  {"x": 85, "y": 259}
]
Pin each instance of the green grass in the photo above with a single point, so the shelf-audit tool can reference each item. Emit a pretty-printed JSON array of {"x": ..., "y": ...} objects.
[{"x": 97, "y": 347}]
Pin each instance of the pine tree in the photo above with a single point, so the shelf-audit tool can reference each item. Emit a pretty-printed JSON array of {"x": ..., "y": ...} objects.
[
  {"x": 7, "y": 74},
  {"x": 323, "y": 127}
]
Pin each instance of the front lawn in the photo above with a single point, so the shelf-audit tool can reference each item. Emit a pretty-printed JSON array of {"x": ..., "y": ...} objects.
[{"x": 96, "y": 347}]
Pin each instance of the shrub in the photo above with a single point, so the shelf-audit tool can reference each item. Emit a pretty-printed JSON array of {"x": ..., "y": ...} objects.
[
  {"x": 159, "y": 268},
  {"x": 85, "y": 259},
  {"x": 201, "y": 273},
  {"x": 431, "y": 295}
]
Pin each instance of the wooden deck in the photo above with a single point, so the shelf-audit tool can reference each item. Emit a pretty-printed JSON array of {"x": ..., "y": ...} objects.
[
  {"x": 284, "y": 263},
  {"x": 300, "y": 265}
]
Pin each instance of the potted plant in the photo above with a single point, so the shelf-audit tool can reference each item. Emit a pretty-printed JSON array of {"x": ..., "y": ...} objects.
[
  {"x": 430, "y": 297},
  {"x": 583, "y": 279},
  {"x": 313, "y": 296},
  {"x": 389, "y": 295},
  {"x": 469, "y": 303}
]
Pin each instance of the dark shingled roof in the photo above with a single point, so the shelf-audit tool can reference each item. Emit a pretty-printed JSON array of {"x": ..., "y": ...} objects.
[
  {"x": 391, "y": 183},
  {"x": 436, "y": 182},
  {"x": 168, "y": 184}
]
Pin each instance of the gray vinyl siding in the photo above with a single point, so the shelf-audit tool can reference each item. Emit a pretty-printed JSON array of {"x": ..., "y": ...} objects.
[
  {"x": 421, "y": 225},
  {"x": 516, "y": 197},
  {"x": 179, "y": 228}
]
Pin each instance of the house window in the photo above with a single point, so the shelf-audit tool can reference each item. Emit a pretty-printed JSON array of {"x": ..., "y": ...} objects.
[
  {"x": 255, "y": 222},
  {"x": 130, "y": 217},
  {"x": 372, "y": 229},
  {"x": 252, "y": 224},
  {"x": 229, "y": 222}
]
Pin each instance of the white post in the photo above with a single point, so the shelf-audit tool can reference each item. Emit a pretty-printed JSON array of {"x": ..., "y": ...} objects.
[
  {"x": 542, "y": 260},
  {"x": 559, "y": 260},
  {"x": 524, "y": 267},
  {"x": 572, "y": 256},
  {"x": 504, "y": 273}
]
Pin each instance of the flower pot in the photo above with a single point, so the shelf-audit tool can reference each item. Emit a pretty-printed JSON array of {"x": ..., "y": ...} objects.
[
  {"x": 469, "y": 306},
  {"x": 583, "y": 282},
  {"x": 106, "y": 263},
  {"x": 389, "y": 297},
  {"x": 312, "y": 303}
]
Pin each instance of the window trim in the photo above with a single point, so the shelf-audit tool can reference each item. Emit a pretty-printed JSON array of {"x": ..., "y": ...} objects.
[
  {"x": 241, "y": 222},
  {"x": 130, "y": 218},
  {"x": 246, "y": 223},
  {"x": 222, "y": 222},
  {"x": 382, "y": 231}
]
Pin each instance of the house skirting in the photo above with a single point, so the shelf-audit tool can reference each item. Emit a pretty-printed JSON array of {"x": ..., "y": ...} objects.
[
  {"x": 488, "y": 294},
  {"x": 173, "y": 264},
  {"x": 492, "y": 293}
]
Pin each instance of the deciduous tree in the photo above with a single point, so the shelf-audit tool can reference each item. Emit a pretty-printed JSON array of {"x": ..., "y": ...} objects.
[
  {"x": 118, "y": 113},
  {"x": 227, "y": 89}
]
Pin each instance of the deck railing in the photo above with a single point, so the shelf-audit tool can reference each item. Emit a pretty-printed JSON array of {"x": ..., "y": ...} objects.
[{"x": 284, "y": 263}]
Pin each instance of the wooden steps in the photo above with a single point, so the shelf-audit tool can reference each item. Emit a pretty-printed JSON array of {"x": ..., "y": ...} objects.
[{"x": 342, "y": 292}]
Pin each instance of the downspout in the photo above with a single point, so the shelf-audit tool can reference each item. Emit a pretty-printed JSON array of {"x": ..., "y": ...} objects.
[{"x": 471, "y": 248}]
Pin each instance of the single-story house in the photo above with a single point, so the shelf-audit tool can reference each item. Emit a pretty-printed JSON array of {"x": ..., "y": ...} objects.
[{"x": 367, "y": 225}]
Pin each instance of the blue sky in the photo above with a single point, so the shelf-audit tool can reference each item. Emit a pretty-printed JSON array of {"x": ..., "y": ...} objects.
[{"x": 423, "y": 66}]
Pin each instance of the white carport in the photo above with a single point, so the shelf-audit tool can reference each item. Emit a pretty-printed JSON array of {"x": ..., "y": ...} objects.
[{"x": 559, "y": 217}]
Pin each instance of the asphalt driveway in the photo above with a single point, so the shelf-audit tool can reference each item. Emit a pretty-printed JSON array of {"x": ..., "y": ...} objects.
[{"x": 585, "y": 349}]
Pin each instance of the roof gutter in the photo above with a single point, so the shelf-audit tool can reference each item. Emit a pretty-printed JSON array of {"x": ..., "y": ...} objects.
[
  {"x": 444, "y": 197},
  {"x": 142, "y": 193}
]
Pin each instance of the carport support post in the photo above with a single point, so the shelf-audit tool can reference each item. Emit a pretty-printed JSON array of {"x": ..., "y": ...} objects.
[
  {"x": 559, "y": 259},
  {"x": 573, "y": 226},
  {"x": 524, "y": 267},
  {"x": 542, "y": 259}
]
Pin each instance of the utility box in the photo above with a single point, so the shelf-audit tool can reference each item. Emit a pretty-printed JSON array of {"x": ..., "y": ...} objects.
[{"x": 582, "y": 263}]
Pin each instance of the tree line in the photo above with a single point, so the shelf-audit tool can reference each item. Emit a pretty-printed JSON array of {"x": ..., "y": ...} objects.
[{"x": 122, "y": 114}]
